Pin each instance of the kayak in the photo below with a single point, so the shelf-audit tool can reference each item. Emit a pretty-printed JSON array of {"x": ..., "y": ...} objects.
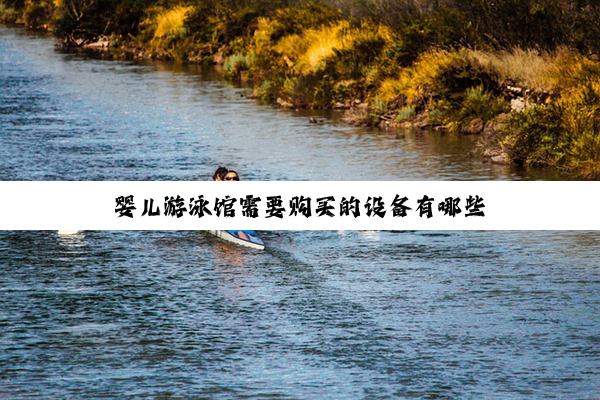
[
  {"x": 252, "y": 241},
  {"x": 67, "y": 232}
]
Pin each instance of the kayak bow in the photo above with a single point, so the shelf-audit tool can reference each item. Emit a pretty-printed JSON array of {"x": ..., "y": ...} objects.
[{"x": 252, "y": 241}]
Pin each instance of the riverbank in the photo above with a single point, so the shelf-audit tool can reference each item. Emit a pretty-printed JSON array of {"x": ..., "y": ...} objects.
[{"x": 531, "y": 107}]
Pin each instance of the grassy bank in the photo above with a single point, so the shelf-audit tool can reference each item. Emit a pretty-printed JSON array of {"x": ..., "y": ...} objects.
[{"x": 523, "y": 74}]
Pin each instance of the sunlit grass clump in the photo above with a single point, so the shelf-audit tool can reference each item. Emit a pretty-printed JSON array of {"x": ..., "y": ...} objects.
[
  {"x": 308, "y": 52},
  {"x": 422, "y": 77},
  {"x": 170, "y": 23},
  {"x": 321, "y": 65}
]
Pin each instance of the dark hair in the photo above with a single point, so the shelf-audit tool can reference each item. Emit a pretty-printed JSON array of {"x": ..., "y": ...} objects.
[{"x": 220, "y": 172}]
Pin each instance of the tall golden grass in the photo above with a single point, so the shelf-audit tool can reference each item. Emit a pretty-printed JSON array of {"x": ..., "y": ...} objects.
[
  {"x": 169, "y": 23},
  {"x": 413, "y": 81},
  {"x": 305, "y": 51},
  {"x": 538, "y": 70},
  {"x": 308, "y": 51}
]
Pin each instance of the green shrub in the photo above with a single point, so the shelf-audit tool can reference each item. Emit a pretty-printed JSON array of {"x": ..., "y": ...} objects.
[
  {"x": 405, "y": 113},
  {"x": 10, "y": 13},
  {"x": 235, "y": 64},
  {"x": 479, "y": 103},
  {"x": 266, "y": 91}
]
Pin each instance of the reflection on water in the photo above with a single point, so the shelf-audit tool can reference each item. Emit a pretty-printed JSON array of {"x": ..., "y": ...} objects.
[{"x": 70, "y": 116}]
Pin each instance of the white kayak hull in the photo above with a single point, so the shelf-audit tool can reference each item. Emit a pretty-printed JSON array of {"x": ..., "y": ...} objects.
[{"x": 254, "y": 242}]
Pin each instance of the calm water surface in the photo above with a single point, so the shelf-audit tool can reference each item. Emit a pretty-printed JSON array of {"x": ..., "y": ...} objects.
[
  {"x": 66, "y": 116},
  {"x": 317, "y": 315}
]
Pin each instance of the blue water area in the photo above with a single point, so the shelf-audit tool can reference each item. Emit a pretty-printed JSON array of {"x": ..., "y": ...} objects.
[{"x": 316, "y": 315}]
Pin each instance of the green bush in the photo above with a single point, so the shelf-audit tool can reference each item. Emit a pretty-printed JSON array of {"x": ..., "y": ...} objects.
[
  {"x": 479, "y": 103},
  {"x": 266, "y": 91},
  {"x": 8, "y": 13},
  {"x": 405, "y": 113},
  {"x": 535, "y": 137},
  {"x": 235, "y": 64}
]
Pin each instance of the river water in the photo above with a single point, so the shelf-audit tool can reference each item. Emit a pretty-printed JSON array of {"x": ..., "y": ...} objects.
[
  {"x": 317, "y": 315},
  {"x": 70, "y": 116}
]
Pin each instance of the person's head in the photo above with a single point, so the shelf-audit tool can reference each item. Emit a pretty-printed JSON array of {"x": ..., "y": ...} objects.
[
  {"x": 231, "y": 175},
  {"x": 220, "y": 174}
]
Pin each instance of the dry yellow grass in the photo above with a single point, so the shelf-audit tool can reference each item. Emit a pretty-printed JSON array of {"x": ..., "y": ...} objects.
[
  {"x": 529, "y": 68},
  {"x": 170, "y": 22},
  {"x": 412, "y": 82},
  {"x": 537, "y": 70},
  {"x": 307, "y": 52}
]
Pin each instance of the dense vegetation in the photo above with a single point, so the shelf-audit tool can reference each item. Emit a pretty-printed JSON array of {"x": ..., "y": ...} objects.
[{"x": 525, "y": 72}]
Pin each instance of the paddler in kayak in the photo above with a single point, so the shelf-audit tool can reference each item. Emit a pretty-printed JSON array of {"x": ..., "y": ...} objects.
[{"x": 224, "y": 174}]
